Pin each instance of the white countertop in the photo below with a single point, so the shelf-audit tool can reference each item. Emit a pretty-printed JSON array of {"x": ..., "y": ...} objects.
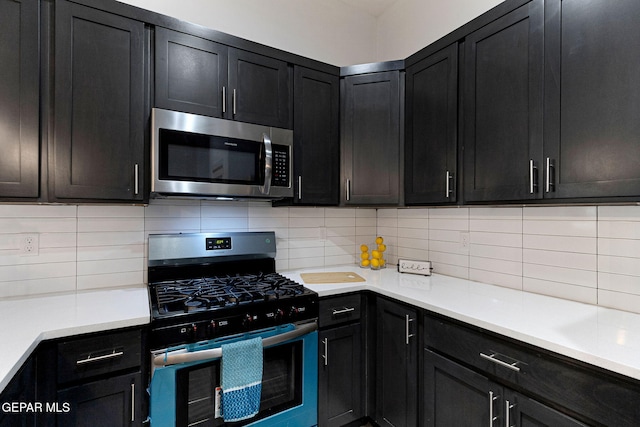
[
  {"x": 27, "y": 321},
  {"x": 600, "y": 336},
  {"x": 603, "y": 337}
]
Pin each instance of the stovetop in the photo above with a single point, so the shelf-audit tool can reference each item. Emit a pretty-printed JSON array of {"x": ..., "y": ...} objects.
[
  {"x": 209, "y": 285},
  {"x": 175, "y": 297}
]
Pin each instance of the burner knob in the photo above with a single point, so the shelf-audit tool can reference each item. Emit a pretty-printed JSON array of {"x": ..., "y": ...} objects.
[
  {"x": 293, "y": 314},
  {"x": 192, "y": 332},
  {"x": 246, "y": 322},
  {"x": 279, "y": 315},
  {"x": 211, "y": 329}
]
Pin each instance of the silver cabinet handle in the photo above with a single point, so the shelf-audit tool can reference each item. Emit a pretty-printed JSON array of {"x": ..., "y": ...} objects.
[
  {"x": 90, "y": 359},
  {"x": 268, "y": 164},
  {"x": 325, "y": 356},
  {"x": 136, "y": 179},
  {"x": 492, "y": 398},
  {"x": 133, "y": 402},
  {"x": 507, "y": 413},
  {"x": 492, "y": 358},
  {"x": 532, "y": 180},
  {"x": 224, "y": 99},
  {"x": 408, "y": 320},
  {"x": 448, "y": 185},
  {"x": 348, "y": 190},
  {"x": 299, "y": 187},
  {"x": 550, "y": 182},
  {"x": 234, "y": 102},
  {"x": 343, "y": 311}
]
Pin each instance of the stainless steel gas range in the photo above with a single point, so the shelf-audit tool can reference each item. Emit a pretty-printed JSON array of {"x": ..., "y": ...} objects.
[{"x": 211, "y": 294}]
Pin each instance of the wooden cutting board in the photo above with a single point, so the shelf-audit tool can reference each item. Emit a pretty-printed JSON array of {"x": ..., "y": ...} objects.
[{"x": 331, "y": 277}]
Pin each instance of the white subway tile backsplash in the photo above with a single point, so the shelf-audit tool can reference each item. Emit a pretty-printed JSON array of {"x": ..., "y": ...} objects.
[
  {"x": 560, "y": 290},
  {"x": 586, "y": 253}
]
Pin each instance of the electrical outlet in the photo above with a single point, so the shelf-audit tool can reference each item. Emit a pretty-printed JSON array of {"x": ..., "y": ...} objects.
[
  {"x": 29, "y": 244},
  {"x": 464, "y": 242}
]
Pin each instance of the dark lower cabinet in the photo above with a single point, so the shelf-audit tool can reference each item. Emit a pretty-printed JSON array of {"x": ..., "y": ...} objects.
[
  {"x": 341, "y": 381},
  {"x": 396, "y": 364},
  {"x": 340, "y": 378},
  {"x": 22, "y": 388},
  {"x": 109, "y": 402},
  {"x": 503, "y": 107},
  {"x": 316, "y": 136},
  {"x": 19, "y": 99},
  {"x": 99, "y": 106},
  {"x": 431, "y": 136},
  {"x": 456, "y": 396}
]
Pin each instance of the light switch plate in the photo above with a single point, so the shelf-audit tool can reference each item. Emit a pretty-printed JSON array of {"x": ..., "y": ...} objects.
[{"x": 414, "y": 267}]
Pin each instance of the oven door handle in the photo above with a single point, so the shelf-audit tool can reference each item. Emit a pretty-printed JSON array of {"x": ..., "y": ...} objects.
[{"x": 183, "y": 356}]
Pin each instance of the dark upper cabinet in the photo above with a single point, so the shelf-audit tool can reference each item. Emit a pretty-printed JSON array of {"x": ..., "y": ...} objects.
[
  {"x": 99, "y": 116},
  {"x": 503, "y": 107},
  {"x": 259, "y": 89},
  {"x": 370, "y": 138},
  {"x": 316, "y": 137},
  {"x": 431, "y": 137},
  {"x": 200, "y": 76},
  {"x": 19, "y": 99},
  {"x": 396, "y": 364},
  {"x": 191, "y": 73},
  {"x": 592, "y": 87}
]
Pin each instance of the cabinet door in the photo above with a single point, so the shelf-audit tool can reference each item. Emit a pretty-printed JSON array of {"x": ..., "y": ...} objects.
[
  {"x": 98, "y": 148},
  {"x": 371, "y": 138},
  {"x": 456, "y": 396},
  {"x": 592, "y": 89},
  {"x": 22, "y": 388},
  {"x": 260, "y": 89},
  {"x": 431, "y": 142},
  {"x": 191, "y": 73},
  {"x": 111, "y": 402},
  {"x": 316, "y": 136},
  {"x": 396, "y": 365},
  {"x": 526, "y": 412},
  {"x": 341, "y": 376},
  {"x": 503, "y": 104},
  {"x": 19, "y": 98}
]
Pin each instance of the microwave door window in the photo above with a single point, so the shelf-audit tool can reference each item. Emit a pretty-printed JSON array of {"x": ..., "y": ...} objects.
[{"x": 188, "y": 156}]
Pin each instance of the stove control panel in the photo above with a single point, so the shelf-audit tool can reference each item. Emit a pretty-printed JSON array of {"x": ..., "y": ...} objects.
[{"x": 206, "y": 325}]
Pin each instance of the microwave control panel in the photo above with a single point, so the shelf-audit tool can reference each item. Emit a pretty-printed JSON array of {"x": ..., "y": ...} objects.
[{"x": 281, "y": 164}]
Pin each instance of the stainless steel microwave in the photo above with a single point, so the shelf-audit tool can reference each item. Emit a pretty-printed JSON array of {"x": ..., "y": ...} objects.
[{"x": 205, "y": 157}]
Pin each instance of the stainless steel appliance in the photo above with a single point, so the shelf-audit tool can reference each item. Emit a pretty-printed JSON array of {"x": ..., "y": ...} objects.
[
  {"x": 208, "y": 290},
  {"x": 206, "y": 157}
]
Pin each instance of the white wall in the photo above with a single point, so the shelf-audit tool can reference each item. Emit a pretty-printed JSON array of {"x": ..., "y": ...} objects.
[
  {"x": 327, "y": 30},
  {"x": 409, "y": 25}
]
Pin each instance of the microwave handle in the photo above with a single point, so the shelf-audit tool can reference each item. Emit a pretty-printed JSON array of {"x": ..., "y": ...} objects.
[{"x": 268, "y": 164}]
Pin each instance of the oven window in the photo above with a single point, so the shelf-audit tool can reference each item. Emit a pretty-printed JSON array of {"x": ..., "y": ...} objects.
[
  {"x": 186, "y": 156},
  {"x": 281, "y": 388}
]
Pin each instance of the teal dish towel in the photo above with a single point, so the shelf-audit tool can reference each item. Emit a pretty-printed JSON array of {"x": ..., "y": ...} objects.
[{"x": 241, "y": 379}]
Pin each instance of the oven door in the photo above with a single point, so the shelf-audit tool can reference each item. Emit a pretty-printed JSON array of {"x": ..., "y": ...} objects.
[{"x": 185, "y": 379}]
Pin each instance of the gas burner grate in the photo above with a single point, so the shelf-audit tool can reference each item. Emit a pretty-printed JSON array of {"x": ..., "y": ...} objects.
[{"x": 209, "y": 293}]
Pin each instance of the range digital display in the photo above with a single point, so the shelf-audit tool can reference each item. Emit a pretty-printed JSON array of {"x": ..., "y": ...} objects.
[{"x": 216, "y": 243}]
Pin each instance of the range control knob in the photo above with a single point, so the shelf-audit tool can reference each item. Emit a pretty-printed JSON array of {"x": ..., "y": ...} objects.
[
  {"x": 247, "y": 321},
  {"x": 293, "y": 313},
  {"x": 211, "y": 329},
  {"x": 279, "y": 315}
]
